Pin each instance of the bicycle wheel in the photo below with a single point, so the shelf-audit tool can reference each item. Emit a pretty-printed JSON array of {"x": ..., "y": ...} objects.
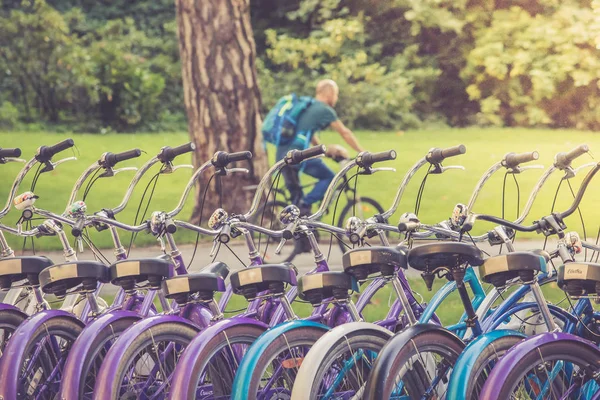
[
  {"x": 414, "y": 364},
  {"x": 39, "y": 367},
  {"x": 339, "y": 363},
  {"x": 212, "y": 371},
  {"x": 561, "y": 369},
  {"x": 9, "y": 321},
  {"x": 470, "y": 380},
  {"x": 269, "y": 214},
  {"x": 365, "y": 208},
  {"x": 95, "y": 355},
  {"x": 146, "y": 367},
  {"x": 279, "y": 363}
]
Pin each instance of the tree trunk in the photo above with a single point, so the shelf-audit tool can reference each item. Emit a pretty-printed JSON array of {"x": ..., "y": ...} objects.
[{"x": 221, "y": 93}]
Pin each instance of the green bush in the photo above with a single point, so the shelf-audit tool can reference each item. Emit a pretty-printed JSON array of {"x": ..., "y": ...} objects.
[{"x": 9, "y": 115}]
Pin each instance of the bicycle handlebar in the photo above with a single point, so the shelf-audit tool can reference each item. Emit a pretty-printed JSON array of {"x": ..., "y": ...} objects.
[
  {"x": 4, "y": 153},
  {"x": 168, "y": 154},
  {"x": 294, "y": 157},
  {"x": 436, "y": 156},
  {"x": 109, "y": 160},
  {"x": 541, "y": 224},
  {"x": 221, "y": 159},
  {"x": 366, "y": 159},
  {"x": 512, "y": 160},
  {"x": 564, "y": 160},
  {"x": 45, "y": 153}
]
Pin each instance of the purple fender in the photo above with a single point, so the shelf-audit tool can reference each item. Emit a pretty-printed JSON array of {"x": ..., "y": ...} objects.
[
  {"x": 10, "y": 307},
  {"x": 71, "y": 382},
  {"x": 513, "y": 357},
  {"x": 15, "y": 349},
  {"x": 182, "y": 375},
  {"x": 114, "y": 355}
]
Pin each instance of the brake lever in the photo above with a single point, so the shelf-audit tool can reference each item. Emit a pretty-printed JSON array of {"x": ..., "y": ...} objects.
[
  {"x": 460, "y": 167},
  {"x": 53, "y": 164},
  {"x": 280, "y": 246},
  {"x": 373, "y": 170},
  {"x": 234, "y": 170},
  {"x": 13, "y": 159},
  {"x": 520, "y": 169},
  {"x": 112, "y": 172},
  {"x": 169, "y": 168},
  {"x": 570, "y": 172},
  {"x": 214, "y": 247}
]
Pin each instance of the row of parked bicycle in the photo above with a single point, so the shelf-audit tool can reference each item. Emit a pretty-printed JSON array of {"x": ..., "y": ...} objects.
[{"x": 165, "y": 334}]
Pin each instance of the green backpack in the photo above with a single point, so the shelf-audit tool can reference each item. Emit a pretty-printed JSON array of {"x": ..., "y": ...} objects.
[{"x": 279, "y": 126}]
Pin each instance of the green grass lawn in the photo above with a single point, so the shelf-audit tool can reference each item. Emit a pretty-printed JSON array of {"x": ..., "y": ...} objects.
[{"x": 442, "y": 192}]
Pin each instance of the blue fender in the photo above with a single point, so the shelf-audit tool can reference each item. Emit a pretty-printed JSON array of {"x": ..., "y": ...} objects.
[
  {"x": 14, "y": 352},
  {"x": 241, "y": 384},
  {"x": 102, "y": 390},
  {"x": 182, "y": 383},
  {"x": 514, "y": 356},
  {"x": 457, "y": 389},
  {"x": 71, "y": 381}
]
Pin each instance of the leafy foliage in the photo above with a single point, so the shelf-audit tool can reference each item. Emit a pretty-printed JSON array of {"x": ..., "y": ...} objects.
[{"x": 115, "y": 65}]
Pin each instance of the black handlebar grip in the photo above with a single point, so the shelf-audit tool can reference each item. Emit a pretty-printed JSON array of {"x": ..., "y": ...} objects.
[
  {"x": 221, "y": 158},
  {"x": 436, "y": 155},
  {"x": 78, "y": 227},
  {"x": 45, "y": 153},
  {"x": 298, "y": 156},
  {"x": 225, "y": 234},
  {"x": 579, "y": 151},
  {"x": 111, "y": 159},
  {"x": 287, "y": 234},
  {"x": 168, "y": 154},
  {"x": 512, "y": 160},
  {"x": 16, "y": 152},
  {"x": 367, "y": 159},
  {"x": 170, "y": 226}
]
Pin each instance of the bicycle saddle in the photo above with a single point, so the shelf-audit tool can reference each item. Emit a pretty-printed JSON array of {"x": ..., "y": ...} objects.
[
  {"x": 449, "y": 255},
  {"x": 323, "y": 285},
  {"x": 217, "y": 268},
  {"x": 273, "y": 277},
  {"x": 579, "y": 279},
  {"x": 365, "y": 261},
  {"x": 129, "y": 273},
  {"x": 60, "y": 278},
  {"x": 182, "y": 287},
  {"x": 498, "y": 270},
  {"x": 19, "y": 268}
]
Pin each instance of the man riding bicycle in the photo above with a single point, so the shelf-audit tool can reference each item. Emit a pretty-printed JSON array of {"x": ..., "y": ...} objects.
[{"x": 313, "y": 115}]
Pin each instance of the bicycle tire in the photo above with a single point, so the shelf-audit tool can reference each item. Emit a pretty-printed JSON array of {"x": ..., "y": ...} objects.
[
  {"x": 322, "y": 358},
  {"x": 482, "y": 364},
  {"x": 399, "y": 354},
  {"x": 59, "y": 328},
  {"x": 293, "y": 339},
  {"x": 207, "y": 359},
  {"x": 166, "y": 333},
  {"x": 347, "y": 213},
  {"x": 9, "y": 321},
  {"x": 96, "y": 353},
  {"x": 573, "y": 352}
]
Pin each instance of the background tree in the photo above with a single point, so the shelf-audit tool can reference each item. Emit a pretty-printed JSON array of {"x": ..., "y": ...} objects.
[{"x": 222, "y": 98}]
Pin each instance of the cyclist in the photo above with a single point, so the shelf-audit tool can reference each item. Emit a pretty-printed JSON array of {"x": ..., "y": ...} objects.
[{"x": 318, "y": 115}]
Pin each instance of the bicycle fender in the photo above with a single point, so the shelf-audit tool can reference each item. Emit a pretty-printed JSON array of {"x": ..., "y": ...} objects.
[
  {"x": 305, "y": 376},
  {"x": 387, "y": 356},
  {"x": 516, "y": 353},
  {"x": 457, "y": 389},
  {"x": 15, "y": 349},
  {"x": 10, "y": 307},
  {"x": 241, "y": 384},
  {"x": 71, "y": 381},
  {"x": 182, "y": 376},
  {"x": 115, "y": 354}
]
